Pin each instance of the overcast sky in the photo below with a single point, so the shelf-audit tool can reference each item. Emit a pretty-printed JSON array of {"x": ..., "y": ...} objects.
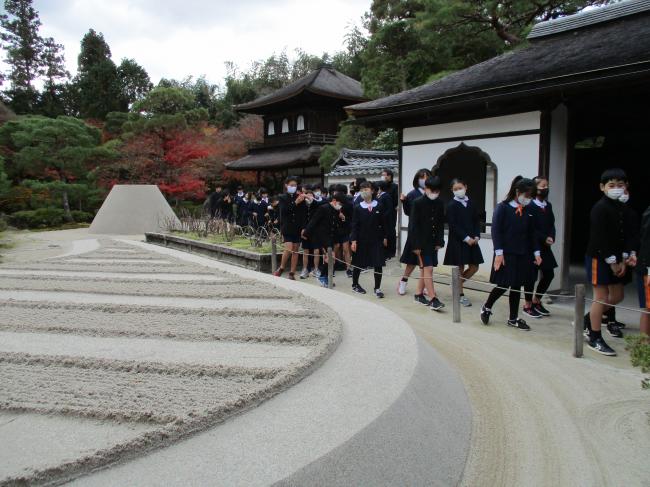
[{"x": 176, "y": 38}]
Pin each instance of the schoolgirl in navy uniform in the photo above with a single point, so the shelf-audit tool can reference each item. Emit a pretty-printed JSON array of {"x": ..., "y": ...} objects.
[
  {"x": 308, "y": 247},
  {"x": 408, "y": 257},
  {"x": 369, "y": 238},
  {"x": 393, "y": 190},
  {"x": 386, "y": 202},
  {"x": 515, "y": 249},
  {"x": 464, "y": 234},
  {"x": 544, "y": 224}
]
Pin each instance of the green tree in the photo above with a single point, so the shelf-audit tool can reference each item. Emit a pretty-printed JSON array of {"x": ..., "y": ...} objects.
[
  {"x": 23, "y": 48},
  {"x": 97, "y": 82},
  {"x": 58, "y": 152},
  {"x": 351, "y": 137},
  {"x": 51, "y": 102},
  {"x": 134, "y": 83}
]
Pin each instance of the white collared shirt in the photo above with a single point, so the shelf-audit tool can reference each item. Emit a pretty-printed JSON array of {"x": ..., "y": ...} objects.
[{"x": 365, "y": 205}]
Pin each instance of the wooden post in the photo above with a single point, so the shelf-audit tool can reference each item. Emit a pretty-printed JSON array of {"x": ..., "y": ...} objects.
[
  {"x": 274, "y": 254},
  {"x": 455, "y": 294},
  {"x": 330, "y": 268},
  {"x": 578, "y": 326}
]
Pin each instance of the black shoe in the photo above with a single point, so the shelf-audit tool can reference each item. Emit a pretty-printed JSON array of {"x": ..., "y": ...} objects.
[
  {"x": 379, "y": 293},
  {"x": 349, "y": 273},
  {"x": 599, "y": 345},
  {"x": 617, "y": 323},
  {"x": 519, "y": 324},
  {"x": 532, "y": 312},
  {"x": 614, "y": 330},
  {"x": 485, "y": 315},
  {"x": 419, "y": 298},
  {"x": 358, "y": 289},
  {"x": 435, "y": 304},
  {"x": 541, "y": 309}
]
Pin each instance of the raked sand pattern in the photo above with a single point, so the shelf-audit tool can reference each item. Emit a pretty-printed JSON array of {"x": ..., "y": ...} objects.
[{"x": 107, "y": 354}]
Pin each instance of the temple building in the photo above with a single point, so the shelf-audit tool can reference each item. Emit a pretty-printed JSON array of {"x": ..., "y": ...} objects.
[
  {"x": 352, "y": 164},
  {"x": 572, "y": 102},
  {"x": 299, "y": 120}
]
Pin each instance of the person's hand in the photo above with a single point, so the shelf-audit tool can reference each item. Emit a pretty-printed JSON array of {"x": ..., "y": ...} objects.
[
  {"x": 402, "y": 197},
  {"x": 417, "y": 251},
  {"x": 385, "y": 242},
  {"x": 342, "y": 217},
  {"x": 254, "y": 214},
  {"x": 549, "y": 241},
  {"x": 302, "y": 235},
  {"x": 538, "y": 260},
  {"x": 353, "y": 247},
  {"x": 300, "y": 198},
  {"x": 438, "y": 247},
  {"x": 631, "y": 261},
  {"x": 498, "y": 262},
  {"x": 618, "y": 269}
]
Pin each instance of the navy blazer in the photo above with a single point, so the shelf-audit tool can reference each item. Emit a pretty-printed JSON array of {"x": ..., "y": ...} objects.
[{"x": 512, "y": 232}]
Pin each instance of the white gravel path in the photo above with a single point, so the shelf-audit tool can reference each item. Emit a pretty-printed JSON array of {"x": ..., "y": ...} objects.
[{"x": 136, "y": 351}]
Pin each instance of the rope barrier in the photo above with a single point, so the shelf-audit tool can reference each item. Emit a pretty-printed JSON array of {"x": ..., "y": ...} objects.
[{"x": 482, "y": 283}]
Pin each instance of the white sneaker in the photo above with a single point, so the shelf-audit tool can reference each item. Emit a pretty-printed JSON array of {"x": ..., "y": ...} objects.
[
  {"x": 465, "y": 301},
  {"x": 401, "y": 287},
  {"x": 304, "y": 274},
  {"x": 316, "y": 273}
]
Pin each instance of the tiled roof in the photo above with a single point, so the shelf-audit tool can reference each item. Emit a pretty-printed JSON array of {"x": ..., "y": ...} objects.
[{"x": 363, "y": 162}]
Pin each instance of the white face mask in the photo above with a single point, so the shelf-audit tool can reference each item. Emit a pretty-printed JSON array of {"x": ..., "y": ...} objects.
[
  {"x": 385, "y": 178},
  {"x": 292, "y": 189},
  {"x": 337, "y": 207},
  {"x": 615, "y": 193},
  {"x": 421, "y": 182},
  {"x": 624, "y": 198},
  {"x": 460, "y": 193},
  {"x": 317, "y": 194},
  {"x": 432, "y": 196},
  {"x": 523, "y": 201},
  {"x": 366, "y": 195},
  {"x": 309, "y": 200},
  {"x": 240, "y": 193}
]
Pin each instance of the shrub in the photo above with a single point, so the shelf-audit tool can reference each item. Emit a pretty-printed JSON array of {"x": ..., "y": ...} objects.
[
  {"x": 639, "y": 347},
  {"x": 41, "y": 218},
  {"x": 82, "y": 216},
  {"x": 3, "y": 224}
]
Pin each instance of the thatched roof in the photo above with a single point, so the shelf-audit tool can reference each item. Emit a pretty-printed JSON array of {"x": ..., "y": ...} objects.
[
  {"x": 594, "y": 52},
  {"x": 325, "y": 81},
  {"x": 276, "y": 159},
  {"x": 354, "y": 163}
]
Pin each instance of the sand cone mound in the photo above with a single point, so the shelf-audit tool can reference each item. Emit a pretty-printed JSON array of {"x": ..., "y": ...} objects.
[{"x": 131, "y": 210}]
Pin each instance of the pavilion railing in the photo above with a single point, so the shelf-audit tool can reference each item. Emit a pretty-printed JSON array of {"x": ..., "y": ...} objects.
[{"x": 294, "y": 139}]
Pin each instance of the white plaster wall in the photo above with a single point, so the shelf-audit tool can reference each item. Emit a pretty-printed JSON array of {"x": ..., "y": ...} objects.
[
  {"x": 512, "y": 155},
  {"x": 493, "y": 125}
]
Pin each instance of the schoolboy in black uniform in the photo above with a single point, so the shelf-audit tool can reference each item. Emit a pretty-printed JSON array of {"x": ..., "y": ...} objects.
[
  {"x": 292, "y": 220},
  {"x": 426, "y": 235},
  {"x": 386, "y": 202},
  {"x": 408, "y": 257},
  {"x": 604, "y": 261},
  {"x": 322, "y": 229},
  {"x": 393, "y": 191},
  {"x": 308, "y": 246},
  {"x": 515, "y": 249}
]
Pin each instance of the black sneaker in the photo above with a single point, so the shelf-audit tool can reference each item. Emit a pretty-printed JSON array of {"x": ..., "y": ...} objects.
[
  {"x": 599, "y": 345},
  {"x": 614, "y": 330},
  {"x": 532, "y": 312},
  {"x": 419, "y": 298},
  {"x": 435, "y": 304},
  {"x": 541, "y": 309},
  {"x": 617, "y": 323},
  {"x": 519, "y": 324},
  {"x": 485, "y": 315},
  {"x": 349, "y": 273},
  {"x": 358, "y": 289},
  {"x": 586, "y": 325},
  {"x": 379, "y": 293}
]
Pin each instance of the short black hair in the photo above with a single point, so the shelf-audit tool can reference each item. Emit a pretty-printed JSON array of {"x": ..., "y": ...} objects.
[
  {"x": 364, "y": 185},
  {"x": 383, "y": 185},
  {"x": 457, "y": 181},
  {"x": 388, "y": 171},
  {"x": 338, "y": 196},
  {"x": 339, "y": 188},
  {"x": 433, "y": 183},
  {"x": 615, "y": 173},
  {"x": 295, "y": 179},
  {"x": 264, "y": 190}
]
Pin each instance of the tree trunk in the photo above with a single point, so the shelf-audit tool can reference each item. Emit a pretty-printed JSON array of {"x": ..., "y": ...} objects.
[{"x": 66, "y": 208}]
